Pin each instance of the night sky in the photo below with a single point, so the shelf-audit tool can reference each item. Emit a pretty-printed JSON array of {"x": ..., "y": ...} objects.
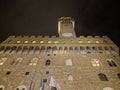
[{"x": 39, "y": 17}]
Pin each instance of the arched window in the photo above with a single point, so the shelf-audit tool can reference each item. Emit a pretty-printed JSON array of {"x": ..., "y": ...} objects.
[
  {"x": 33, "y": 62},
  {"x": 88, "y": 48},
  {"x": 13, "y": 49},
  {"x": 54, "y": 49},
  {"x": 76, "y": 50},
  {"x": 37, "y": 50},
  {"x": 22, "y": 87},
  {"x": 31, "y": 50},
  {"x": 47, "y": 62},
  {"x": 95, "y": 63},
  {"x": 2, "y": 87},
  {"x": 7, "y": 49},
  {"x": 68, "y": 62},
  {"x": 2, "y": 48},
  {"x": 60, "y": 50},
  {"x": 100, "y": 48},
  {"x": 25, "y": 50},
  {"x": 42, "y": 49},
  {"x": 102, "y": 77},
  {"x": 82, "y": 48},
  {"x": 106, "y": 48},
  {"x": 2, "y": 60},
  {"x": 49, "y": 49},
  {"x": 70, "y": 77},
  {"x": 65, "y": 49},
  {"x": 19, "y": 49},
  {"x": 111, "y": 63}
]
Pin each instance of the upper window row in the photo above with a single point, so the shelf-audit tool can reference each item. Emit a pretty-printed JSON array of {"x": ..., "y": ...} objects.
[{"x": 56, "y": 41}]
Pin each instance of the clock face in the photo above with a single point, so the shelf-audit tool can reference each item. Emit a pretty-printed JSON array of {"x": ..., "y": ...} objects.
[{"x": 67, "y": 34}]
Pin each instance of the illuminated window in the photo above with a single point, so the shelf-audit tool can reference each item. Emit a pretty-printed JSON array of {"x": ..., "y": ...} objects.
[
  {"x": 49, "y": 41},
  {"x": 95, "y": 63},
  {"x": 68, "y": 62},
  {"x": 88, "y": 41},
  {"x": 33, "y": 62},
  {"x": 25, "y": 41},
  {"x": 70, "y": 77},
  {"x": 41, "y": 41},
  {"x": 56, "y": 42},
  {"x": 96, "y": 41},
  {"x": 80, "y": 41},
  {"x": 18, "y": 41},
  {"x": 33, "y": 41},
  {"x": 2, "y": 60}
]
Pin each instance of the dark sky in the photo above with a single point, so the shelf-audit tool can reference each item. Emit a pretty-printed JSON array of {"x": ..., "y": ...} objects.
[{"x": 39, "y": 17}]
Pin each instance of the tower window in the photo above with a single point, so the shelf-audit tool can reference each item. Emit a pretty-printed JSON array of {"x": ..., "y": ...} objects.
[
  {"x": 102, "y": 77},
  {"x": 88, "y": 41},
  {"x": 47, "y": 62},
  {"x": 49, "y": 41},
  {"x": 112, "y": 63},
  {"x": 96, "y": 41}
]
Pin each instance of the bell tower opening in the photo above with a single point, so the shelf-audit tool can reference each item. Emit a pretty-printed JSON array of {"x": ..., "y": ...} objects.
[{"x": 66, "y": 27}]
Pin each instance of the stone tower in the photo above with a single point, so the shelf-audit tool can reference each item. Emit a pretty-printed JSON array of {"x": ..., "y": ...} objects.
[{"x": 75, "y": 63}]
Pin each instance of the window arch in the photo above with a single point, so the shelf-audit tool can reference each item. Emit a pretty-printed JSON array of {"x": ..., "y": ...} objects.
[
  {"x": 2, "y": 48},
  {"x": 37, "y": 49},
  {"x": 25, "y": 49},
  {"x": 70, "y": 77},
  {"x": 102, "y": 77},
  {"x": 68, "y": 62},
  {"x": 47, "y": 62},
  {"x": 31, "y": 49},
  {"x": 19, "y": 49},
  {"x": 22, "y": 87},
  {"x": 42, "y": 49},
  {"x": 7, "y": 49},
  {"x": 95, "y": 63},
  {"x": 2, "y": 87},
  {"x": 33, "y": 61},
  {"x": 111, "y": 63},
  {"x": 13, "y": 48}
]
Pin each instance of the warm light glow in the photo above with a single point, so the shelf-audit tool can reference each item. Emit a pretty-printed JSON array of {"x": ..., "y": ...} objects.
[
  {"x": 49, "y": 41},
  {"x": 33, "y": 41},
  {"x": 41, "y": 41},
  {"x": 25, "y": 41},
  {"x": 18, "y": 41},
  {"x": 56, "y": 42},
  {"x": 80, "y": 41},
  {"x": 97, "y": 41},
  {"x": 1, "y": 63},
  {"x": 89, "y": 41}
]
